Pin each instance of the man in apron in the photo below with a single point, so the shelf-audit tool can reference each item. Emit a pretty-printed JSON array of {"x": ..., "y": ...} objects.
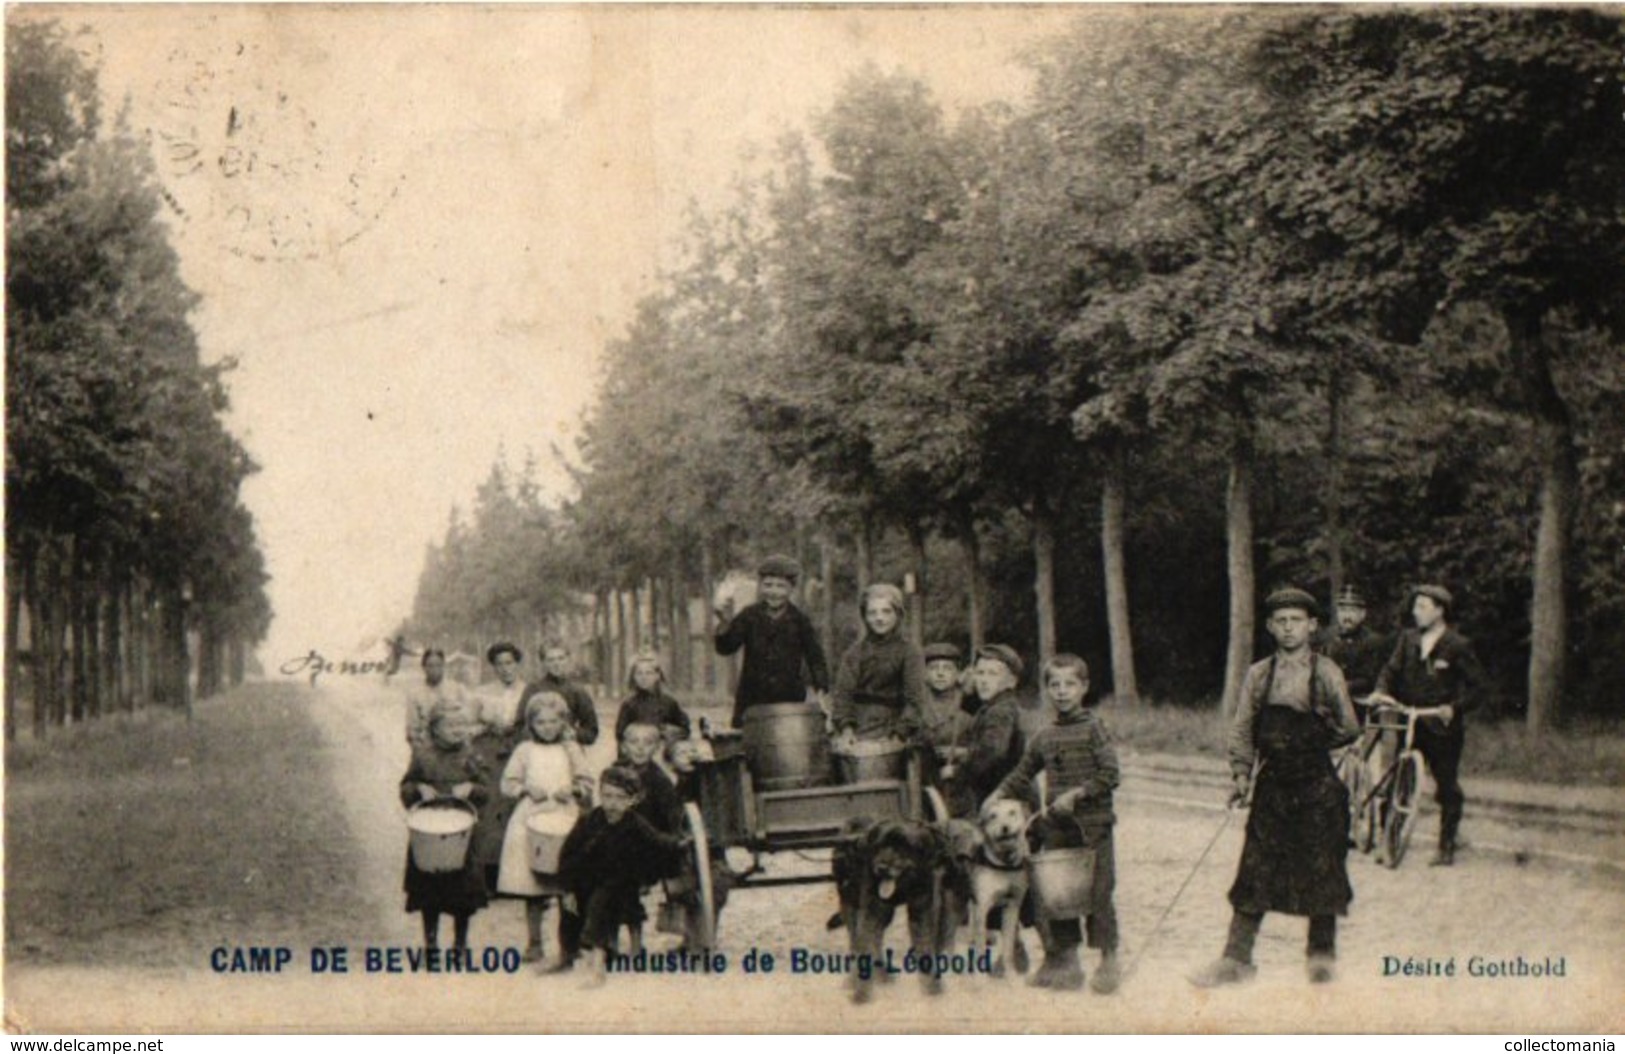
[{"x": 1294, "y": 710}]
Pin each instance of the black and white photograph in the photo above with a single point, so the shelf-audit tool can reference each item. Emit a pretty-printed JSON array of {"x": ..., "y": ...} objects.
[{"x": 829, "y": 518}]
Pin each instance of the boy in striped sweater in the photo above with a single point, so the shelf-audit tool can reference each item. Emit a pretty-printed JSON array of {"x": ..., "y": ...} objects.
[{"x": 1081, "y": 770}]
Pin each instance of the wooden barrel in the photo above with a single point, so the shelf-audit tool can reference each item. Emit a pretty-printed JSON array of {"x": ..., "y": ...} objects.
[{"x": 786, "y": 746}]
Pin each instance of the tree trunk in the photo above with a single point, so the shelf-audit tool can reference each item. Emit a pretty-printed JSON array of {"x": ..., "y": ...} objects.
[
  {"x": 1044, "y": 578},
  {"x": 95, "y": 601},
  {"x": 14, "y": 610},
  {"x": 1125, "y": 687},
  {"x": 80, "y": 698},
  {"x": 116, "y": 667},
  {"x": 682, "y": 644},
  {"x": 1559, "y": 486},
  {"x": 57, "y": 606},
  {"x": 618, "y": 674},
  {"x": 975, "y": 583},
  {"x": 38, "y": 637},
  {"x": 866, "y": 549},
  {"x": 1335, "y": 398},
  {"x": 1238, "y": 509},
  {"x": 600, "y": 636},
  {"x": 239, "y": 661},
  {"x": 916, "y": 599},
  {"x": 146, "y": 687},
  {"x": 708, "y": 582},
  {"x": 826, "y": 571}
]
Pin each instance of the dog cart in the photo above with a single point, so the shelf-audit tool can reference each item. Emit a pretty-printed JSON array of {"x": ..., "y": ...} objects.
[{"x": 773, "y": 788}]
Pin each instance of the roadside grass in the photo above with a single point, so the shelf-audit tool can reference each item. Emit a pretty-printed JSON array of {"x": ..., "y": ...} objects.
[
  {"x": 1584, "y": 752},
  {"x": 147, "y": 840}
]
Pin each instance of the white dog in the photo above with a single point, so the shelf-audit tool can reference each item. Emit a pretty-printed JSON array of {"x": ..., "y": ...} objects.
[{"x": 999, "y": 877}]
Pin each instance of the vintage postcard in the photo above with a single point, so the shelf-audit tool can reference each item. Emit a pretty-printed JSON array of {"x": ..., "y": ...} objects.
[{"x": 813, "y": 518}]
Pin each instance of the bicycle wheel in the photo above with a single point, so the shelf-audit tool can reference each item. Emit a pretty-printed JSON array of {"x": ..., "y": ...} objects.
[{"x": 1403, "y": 806}]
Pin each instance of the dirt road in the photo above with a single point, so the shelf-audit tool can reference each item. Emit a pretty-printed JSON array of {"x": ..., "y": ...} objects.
[{"x": 1486, "y": 911}]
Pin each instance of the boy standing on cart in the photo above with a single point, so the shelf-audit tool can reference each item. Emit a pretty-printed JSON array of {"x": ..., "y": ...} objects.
[
  {"x": 1434, "y": 665},
  {"x": 783, "y": 656}
]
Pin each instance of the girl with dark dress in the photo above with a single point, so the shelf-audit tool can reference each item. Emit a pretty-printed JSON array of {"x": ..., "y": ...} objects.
[
  {"x": 880, "y": 687},
  {"x": 649, "y": 703},
  {"x": 1294, "y": 710},
  {"x": 442, "y": 769}
]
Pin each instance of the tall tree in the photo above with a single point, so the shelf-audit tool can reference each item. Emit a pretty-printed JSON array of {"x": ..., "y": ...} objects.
[{"x": 1385, "y": 157}]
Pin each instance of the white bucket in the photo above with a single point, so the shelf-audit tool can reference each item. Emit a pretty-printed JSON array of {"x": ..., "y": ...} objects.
[
  {"x": 1063, "y": 882},
  {"x": 545, "y": 832},
  {"x": 440, "y": 832}
]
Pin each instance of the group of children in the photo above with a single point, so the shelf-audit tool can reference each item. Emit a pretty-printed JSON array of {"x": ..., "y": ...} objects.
[
  {"x": 515, "y": 754},
  {"x": 983, "y": 740}
]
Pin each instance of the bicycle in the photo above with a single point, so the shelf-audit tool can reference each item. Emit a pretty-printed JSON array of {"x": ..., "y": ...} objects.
[{"x": 1391, "y": 807}]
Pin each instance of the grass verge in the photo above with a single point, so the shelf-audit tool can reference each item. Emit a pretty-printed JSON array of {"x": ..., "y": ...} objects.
[{"x": 149, "y": 840}]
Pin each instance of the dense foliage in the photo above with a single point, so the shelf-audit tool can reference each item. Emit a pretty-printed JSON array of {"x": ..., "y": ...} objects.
[
  {"x": 1230, "y": 301},
  {"x": 124, "y": 529}
]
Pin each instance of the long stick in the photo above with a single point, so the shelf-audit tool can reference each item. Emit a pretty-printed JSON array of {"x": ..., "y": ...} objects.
[{"x": 1156, "y": 930}]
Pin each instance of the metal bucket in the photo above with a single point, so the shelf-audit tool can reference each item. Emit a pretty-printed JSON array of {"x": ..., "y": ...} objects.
[
  {"x": 439, "y": 833},
  {"x": 545, "y": 832},
  {"x": 785, "y": 745},
  {"x": 874, "y": 759},
  {"x": 1062, "y": 882}
]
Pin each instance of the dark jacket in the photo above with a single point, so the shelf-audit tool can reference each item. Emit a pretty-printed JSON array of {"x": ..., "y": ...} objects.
[
  {"x": 582, "y": 713},
  {"x": 661, "y": 805},
  {"x": 443, "y": 770},
  {"x": 1360, "y": 655},
  {"x": 995, "y": 745},
  {"x": 1450, "y": 676},
  {"x": 650, "y": 708},
  {"x": 783, "y": 656},
  {"x": 630, "y": 853},
  {"x": 881, "y": 686}
]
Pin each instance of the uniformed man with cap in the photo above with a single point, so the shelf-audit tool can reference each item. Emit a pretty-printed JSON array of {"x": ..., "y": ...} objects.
[
  {"x": 1293, "y": 711},
  {"x": 1358, "y": 650},
  {"x": 1434, "y": 665}
]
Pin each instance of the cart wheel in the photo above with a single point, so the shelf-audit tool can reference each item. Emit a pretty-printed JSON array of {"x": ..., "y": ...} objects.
[
  {"x": 935, "y": 807},
  {"x": 1402, "y": 809},
  {"x": 705, "y": 891}
]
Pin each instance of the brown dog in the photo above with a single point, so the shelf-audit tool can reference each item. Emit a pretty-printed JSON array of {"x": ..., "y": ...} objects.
[
  {"x": 998, "y": 879},
  {"x": 898, "y": 863}
]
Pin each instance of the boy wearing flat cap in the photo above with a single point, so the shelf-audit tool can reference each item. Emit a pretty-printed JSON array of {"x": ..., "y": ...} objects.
[
  {"x": 994, "y": 741},
  {"x": 783, "y": 655},
  {"x": 944, "y": 720},
  {"x": 1294, "y": 710},
  {"x": 1434, "y": 665}
]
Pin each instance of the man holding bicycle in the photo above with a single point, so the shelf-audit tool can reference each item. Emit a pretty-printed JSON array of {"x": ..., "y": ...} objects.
[{"x": 1434, "y": 666}]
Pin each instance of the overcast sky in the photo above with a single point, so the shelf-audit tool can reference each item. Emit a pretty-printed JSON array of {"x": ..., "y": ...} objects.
[{"x": 415, "y": 228}]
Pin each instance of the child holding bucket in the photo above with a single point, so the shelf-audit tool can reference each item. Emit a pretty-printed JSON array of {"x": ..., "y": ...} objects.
[
  {"x": 880, "y": 688},
  {"x": 444, "y": 770},
  {"x": 1080, "y": 765},
  {"x": 547, "y": 774}
]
